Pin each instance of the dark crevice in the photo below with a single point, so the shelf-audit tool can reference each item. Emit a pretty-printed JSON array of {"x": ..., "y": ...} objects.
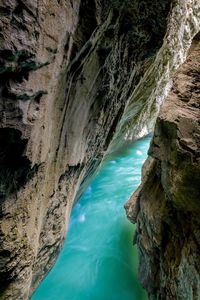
[
  {"x": 15, "y": 168},
  {"x": 86, "y": 26},
  {"x": 16, "y": 65},
  {"x": 113, "y": 127}
]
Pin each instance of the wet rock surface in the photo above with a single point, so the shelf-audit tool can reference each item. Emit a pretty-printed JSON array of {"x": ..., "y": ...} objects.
[{"x": 166, "y": 205}]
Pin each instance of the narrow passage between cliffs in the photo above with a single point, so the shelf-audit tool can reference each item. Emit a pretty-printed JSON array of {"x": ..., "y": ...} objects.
[{"x": 98, "y": 261}]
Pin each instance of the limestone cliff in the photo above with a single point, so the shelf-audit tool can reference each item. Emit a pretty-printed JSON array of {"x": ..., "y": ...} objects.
[
  {"x": 166, "y": 206},
  {"x": 67, "y": 71},
  {"x": 144, "y": 102}
]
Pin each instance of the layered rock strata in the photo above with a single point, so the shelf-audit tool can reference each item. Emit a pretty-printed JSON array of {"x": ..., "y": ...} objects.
[{"x": 166, "y": 206}]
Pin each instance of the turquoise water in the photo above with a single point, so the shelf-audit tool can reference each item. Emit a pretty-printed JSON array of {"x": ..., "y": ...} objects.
[{"x": 98, "y": 261}]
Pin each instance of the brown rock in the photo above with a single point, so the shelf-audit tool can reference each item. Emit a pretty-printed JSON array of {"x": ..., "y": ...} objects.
[
  {"x": 168, "y": 224},
  {"x": 66, "y": 70}
]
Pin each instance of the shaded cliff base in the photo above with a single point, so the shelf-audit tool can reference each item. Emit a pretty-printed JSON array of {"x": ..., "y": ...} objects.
[{"x": 166, "y": 207}]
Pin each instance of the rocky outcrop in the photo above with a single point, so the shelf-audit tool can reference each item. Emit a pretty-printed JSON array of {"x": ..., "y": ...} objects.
[
  {"x": 144, "y": 102},
  {"x": 166, "y": 206},
  {"x": 67, "y": 69},
  {"x": 67, "y": 72}
]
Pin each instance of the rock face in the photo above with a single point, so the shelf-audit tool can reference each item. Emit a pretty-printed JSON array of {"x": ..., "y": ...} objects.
[
  {"x": 67, "y": 71},
  {"x": 166, "y": 207},
  {"x": 144, "y": 102}
]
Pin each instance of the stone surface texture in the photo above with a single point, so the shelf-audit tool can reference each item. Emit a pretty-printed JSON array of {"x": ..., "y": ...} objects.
[
  {"x": 67, "y": 72},
  {"x": 166, "y": 207},
  {"x": 144, "y": 102}
]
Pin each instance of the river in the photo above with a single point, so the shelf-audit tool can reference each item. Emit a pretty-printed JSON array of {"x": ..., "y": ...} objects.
[{"x": 98, "y": 261}]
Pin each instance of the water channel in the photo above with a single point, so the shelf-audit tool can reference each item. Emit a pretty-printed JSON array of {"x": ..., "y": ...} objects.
[{"x": 98, "y": 261}]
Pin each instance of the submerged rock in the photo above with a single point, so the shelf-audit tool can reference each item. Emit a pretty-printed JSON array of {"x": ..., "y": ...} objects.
[{"x": 166, "y": 207}]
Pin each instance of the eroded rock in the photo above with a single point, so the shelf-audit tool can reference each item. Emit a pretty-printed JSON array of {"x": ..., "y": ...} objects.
[
  {"x": 66, "y": 70},
  {"x": 167, "y": 207}
]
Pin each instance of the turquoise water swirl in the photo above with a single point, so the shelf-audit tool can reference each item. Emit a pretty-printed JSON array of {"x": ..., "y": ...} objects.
[{"x": 98, "y": 261}]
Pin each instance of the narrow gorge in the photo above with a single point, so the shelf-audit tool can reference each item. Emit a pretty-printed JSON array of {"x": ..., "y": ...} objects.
[
  {"x": 98, "y": 250},
  {"x": 79, "y": 80}
]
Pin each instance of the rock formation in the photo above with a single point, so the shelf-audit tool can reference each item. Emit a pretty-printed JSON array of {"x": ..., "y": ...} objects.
[
  {"x": 166, "y": 207},
  {"x": 144, "y": 103},
  {"x": 68, "y": 70}
]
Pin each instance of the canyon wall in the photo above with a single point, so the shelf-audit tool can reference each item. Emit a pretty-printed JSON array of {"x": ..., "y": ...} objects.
[
  {"x": 166, "y": 207},
  {"x": 66, "y": 69},
  {"x": 68, "y": 73},
  {"x": 144, "y": 102}
]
